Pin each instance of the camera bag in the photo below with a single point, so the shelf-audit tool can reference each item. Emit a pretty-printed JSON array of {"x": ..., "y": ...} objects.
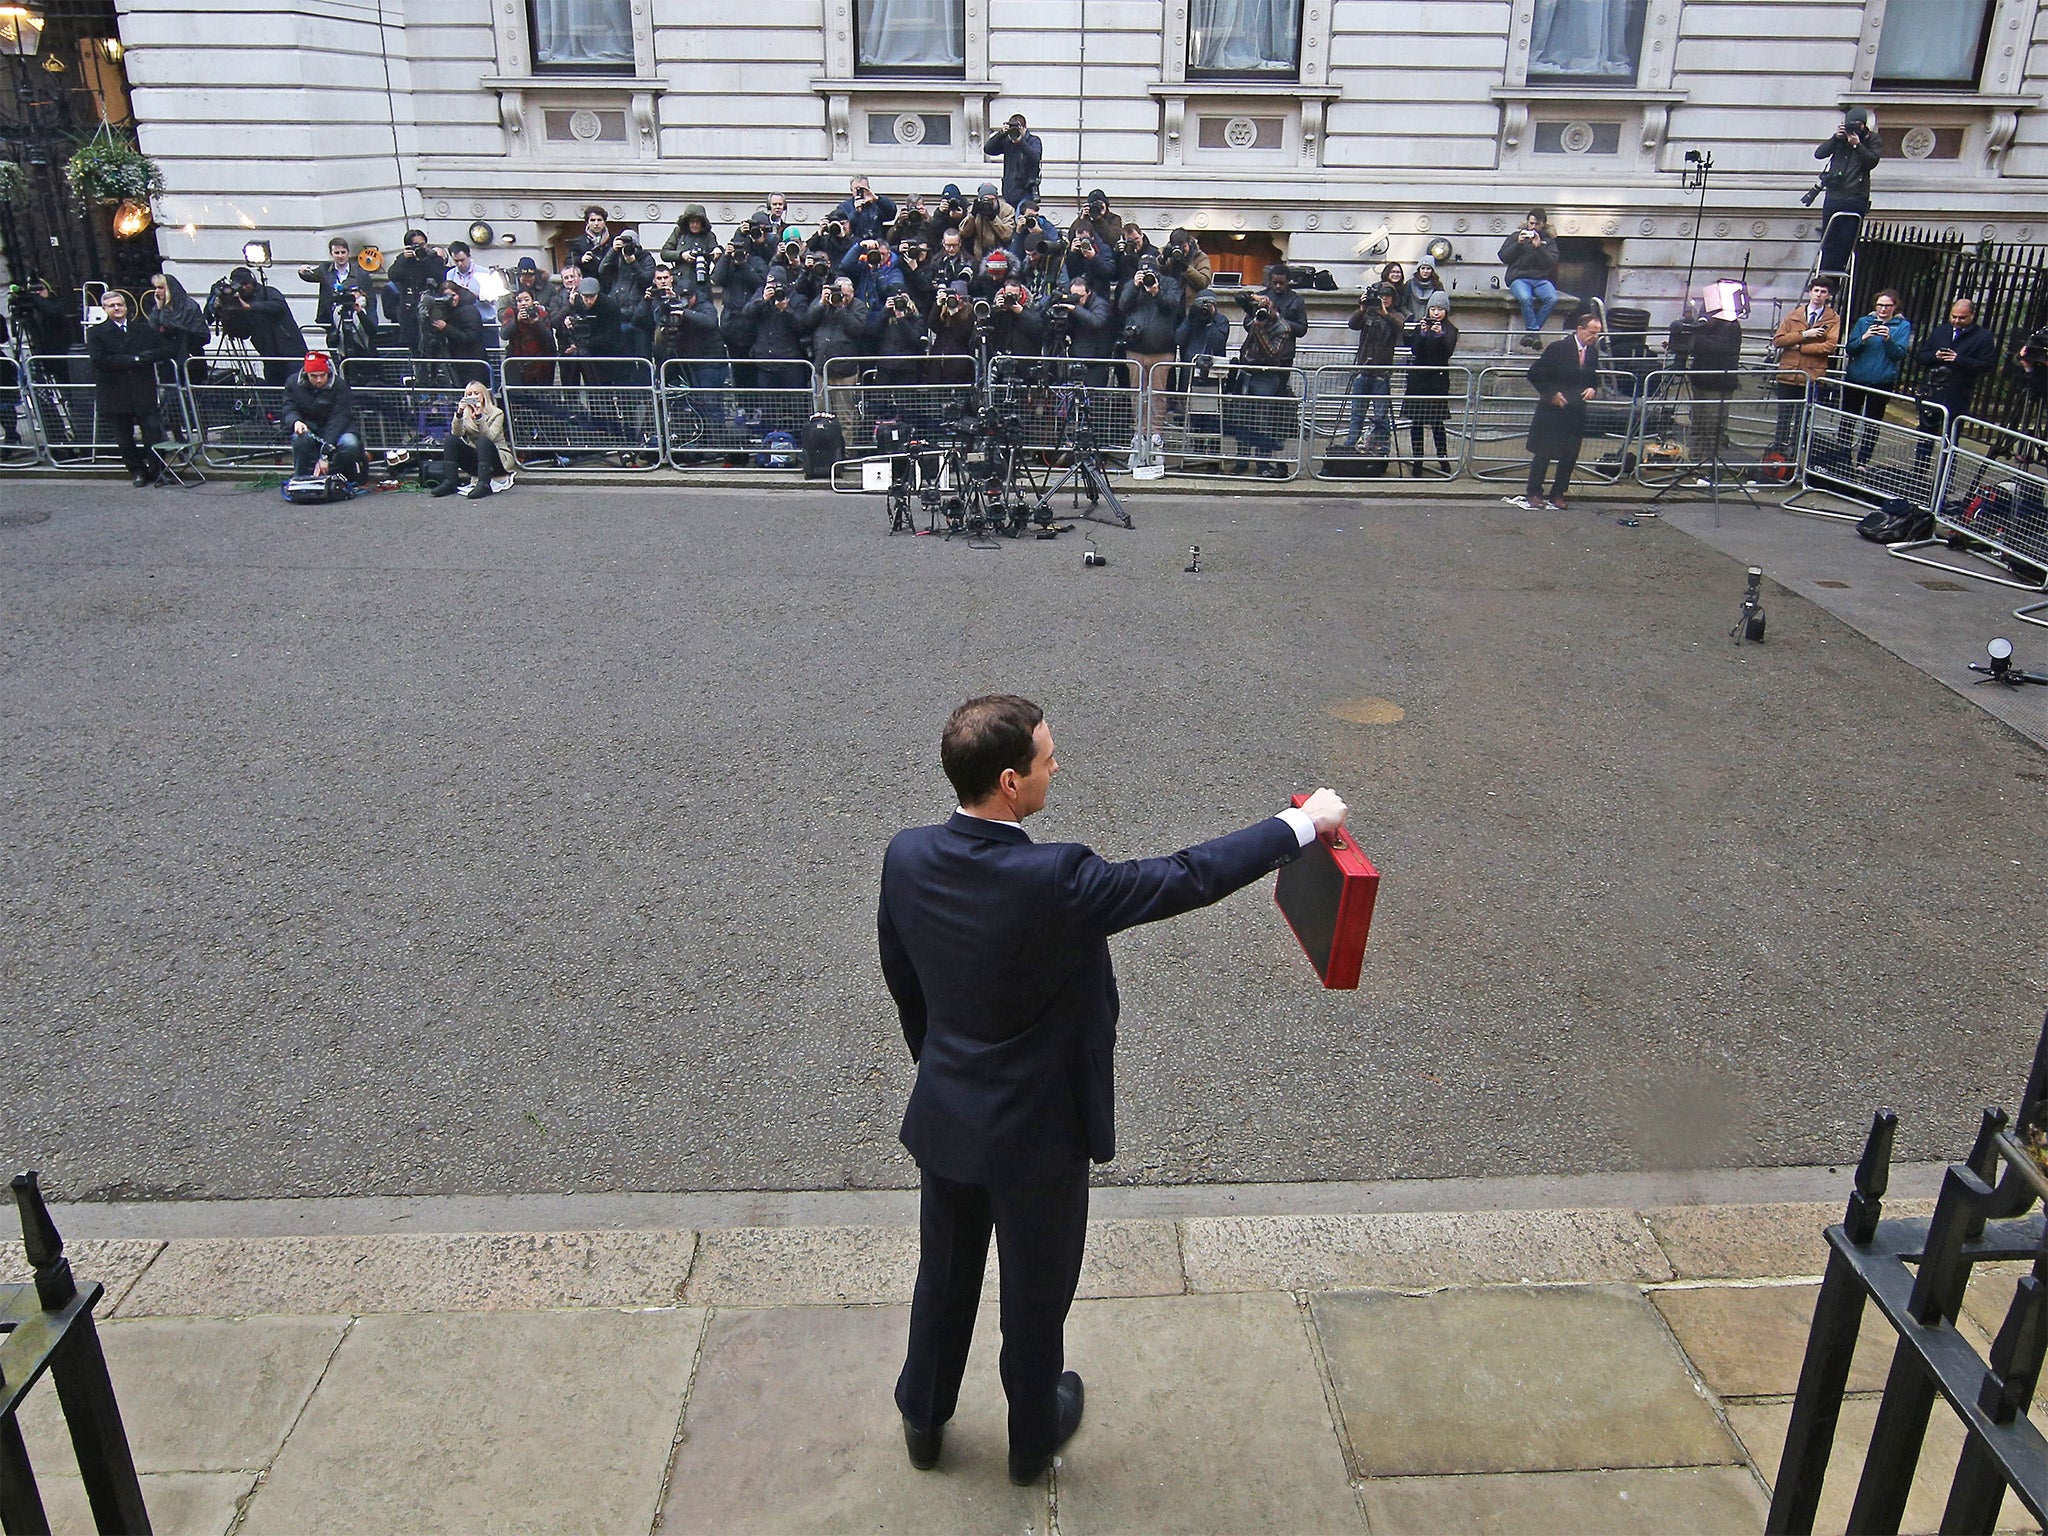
[
  {"x": 824, "y": 445},
  {"x": 1898, "y": 521},
  {"x": 317, "y": 490}
]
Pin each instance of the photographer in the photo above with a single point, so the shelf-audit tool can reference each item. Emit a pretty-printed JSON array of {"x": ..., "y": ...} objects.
[
  {"x": 838, "y": 326},
  {"x": 340, "y": 272},
  {"x": 1016, "y": 325},
  {"x": 1150, "y": 314},
  {"x": 1431, "y": 342},
  {"x": 1878, "y": 346},
  {"x": 478, "y": 445},
  {"x": 774, "y": 320},
  {"x": 876, "y": 276},
  {"x": 352, "y": 324},
  {"x": 690, "y": 239},
  {"x": 1953, "y": 358},
  {"x": 627, "y": 272},
  {"x": 1185, "y": 260},
  {"x": 415, "y": 273},
  {"x": 950, "y": 211},
  {"x": 864, "y": 214},
  {"x": 43, "y": 320},
  {"x": 903, "y": 335},
  {"x": 996, "y": 269},
  {"x": 950, "y": 263},
  {"x": 1133, "y": 250},
  {"x": 123, "y": 353},
  {"x": 587, "y": 331},
  {"x": 1805, "y": 340},
  {"x": 1204, "y": 331},
  {"x": 1852, "y": 152},
  {"x": 1530, "y": 255},
  {"x": 527, "y": 330},
  {"x": 181, "y": 328},
  {"x": 2032, "y": 363},
  {"x": 914, "y": 264},
  {"x": 684, "y": 324},
  {"x": 1249, "y": 416},
  {"x": 953, "y": 336},
  {"x": 1379, "y": 328},
  {"x": 738, "y": 274},
  {"x": 1090, "y": 258},
  {"x": 589, "y": 249},
  {"x": 456, "y": 326},
  {"x": 320, "y": 414},
  {"x": 1034, "y": 229},
  {"x": 990, "y": 223},
  {"x": 1022, "y": 156},
  {"x": 1102, "y": 222},
  {"x": 1078, "y": 324},
  {"x": 257, "y": 313},
  {"x": 1042, "y": 268}
]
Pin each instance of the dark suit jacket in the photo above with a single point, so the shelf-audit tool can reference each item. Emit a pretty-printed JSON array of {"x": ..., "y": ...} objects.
[
  {"x": 1554, "y": 432},
  {"x": 124, "y": 366},
  {"x": 996, "y": 950}
]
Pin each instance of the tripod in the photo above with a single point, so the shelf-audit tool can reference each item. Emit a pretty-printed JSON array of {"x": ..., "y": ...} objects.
[
  {"x": 1715, "y": 460},
  {"x": 1084, "y": 465}
]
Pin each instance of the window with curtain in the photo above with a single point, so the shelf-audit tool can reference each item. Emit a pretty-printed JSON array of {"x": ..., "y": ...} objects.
[
  {"x": 1936, "y": 44},
  {"x": 1586, "y": 42},
  {"x": 1244, "y": 37},
  {"x": 591, "y": 36},
  {"x": 913, "y": 37}
]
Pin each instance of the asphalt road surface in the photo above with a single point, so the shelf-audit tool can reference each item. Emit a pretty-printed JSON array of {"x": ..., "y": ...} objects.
[{"x": 531, "y": 845}]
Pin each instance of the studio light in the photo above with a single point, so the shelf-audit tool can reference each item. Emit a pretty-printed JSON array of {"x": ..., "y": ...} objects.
[
  {"x": 131, "y": 219},
  {"x": 256, "y": 253},
  {"x": 481, "y": 233},
  {"x": 491, "y": 286},
  {"x": 21, "y": 31}
]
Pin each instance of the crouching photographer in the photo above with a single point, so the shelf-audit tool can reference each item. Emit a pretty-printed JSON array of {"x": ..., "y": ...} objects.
[
  {"x": 477, "y": 446},
  {"x": 1255, "y": 416},
  {"x": 320, "y": 413}
]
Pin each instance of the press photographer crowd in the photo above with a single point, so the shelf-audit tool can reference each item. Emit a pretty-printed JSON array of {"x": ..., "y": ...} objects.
[{"x": 927, "y": 289}]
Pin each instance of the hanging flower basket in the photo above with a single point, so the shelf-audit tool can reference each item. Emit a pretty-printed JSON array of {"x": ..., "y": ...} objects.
[
  {"x": 13, "y": 183},
  {"x": 109, "y": 169}
]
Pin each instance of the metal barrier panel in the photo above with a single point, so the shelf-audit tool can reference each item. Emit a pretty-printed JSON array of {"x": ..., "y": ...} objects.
[
  {"x": 1421, "y": 419},
  {"x": 239, "y": 415},
  {"x": 1211, "y": 414},
  {"x": 1995, "y": 493},
  {"x": 22, "y": 444},
  {"x": 1687, "y": 420},
  {"x": 713, "y": 412},
  {"x": 1860, "y": 447},
  {"x": 64, "y": 414},
  {"x": 1503, "y": 402},
  {"x": 392, "y": 414},
  {"x": 1050, "y": 395},
  {"x": 605, "y": 414},
  {"x": 924, "y": 393}
]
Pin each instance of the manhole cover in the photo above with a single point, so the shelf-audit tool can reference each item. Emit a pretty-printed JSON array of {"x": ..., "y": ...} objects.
[
  {"x": 1943, "y": 586},
  {"x": 1839, "y": 586},
  {"x": 1368, "y": 711},
  {"x": 23, "y": 519}
]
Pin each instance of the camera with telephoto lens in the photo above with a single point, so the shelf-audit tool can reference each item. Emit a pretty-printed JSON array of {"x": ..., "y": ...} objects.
[
  {"x": 982, "y": 308},
  {"x": 900, "y": 307},
  {"x": 985, "y": 207},
  {"x": 819, "y": 261},
  {"x": 1174, "y": 258}
]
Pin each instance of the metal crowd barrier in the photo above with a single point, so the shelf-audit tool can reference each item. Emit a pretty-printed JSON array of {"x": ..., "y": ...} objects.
[
  {"x": 237, "y": 416},
  {"x": 1685, "y": 422},
  {"x": 604, "y": 414},
  {"x": 398, "y": 412},
  {"x": 64, "y": 416},
  {"x": 1442, "y": 405},
  {"x": 1870, "y": 461},
  {"x": 715, "y": 413},
  {"x": 1211, "y": 414},
  {"x": 922, "y": 393},
  {"x": 1993, "y": 504},
  {"x": 1503, "y": 403},
  {"x": 1037, "y": 390}
]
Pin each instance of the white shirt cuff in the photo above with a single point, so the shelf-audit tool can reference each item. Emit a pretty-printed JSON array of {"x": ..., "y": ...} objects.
[{"x": 1304, "y": 824}]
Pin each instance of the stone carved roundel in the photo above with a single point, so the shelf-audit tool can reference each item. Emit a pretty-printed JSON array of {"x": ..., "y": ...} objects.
[
  {"x": 547, "y": 210},
  {"x": 1918, "y": 143},
  {"x": 585, "y": 125},
  {"x": 909, "y": 128},
  {"x": 1241, "y": 133},
  {"x": 1575, "y": 138}
]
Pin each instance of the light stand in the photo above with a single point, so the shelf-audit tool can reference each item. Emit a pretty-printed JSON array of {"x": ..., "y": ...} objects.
[{"x": 1692, "y": 177}]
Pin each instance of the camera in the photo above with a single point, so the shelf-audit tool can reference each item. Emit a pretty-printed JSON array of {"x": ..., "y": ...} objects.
[
  {"x": 627, "y": 244},
  {"x": 1131, "y": 334},
  {"x": 900, "y": 306},
  {"x": 982, "y": 308},
  {"x": 1205, "y": 307},
  {"x": 1148, "y": 280},
  {"x": 985, "y": 207},
  {"x": 819, "y": 261}
]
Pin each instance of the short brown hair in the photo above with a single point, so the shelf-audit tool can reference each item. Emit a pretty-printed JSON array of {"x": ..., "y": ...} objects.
[
  {"x": 1888, "y": 293},
  {"x": 983, "y": 737}
]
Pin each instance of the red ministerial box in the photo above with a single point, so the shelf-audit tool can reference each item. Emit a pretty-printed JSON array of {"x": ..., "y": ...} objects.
[{"x": 1327, "y": 897}]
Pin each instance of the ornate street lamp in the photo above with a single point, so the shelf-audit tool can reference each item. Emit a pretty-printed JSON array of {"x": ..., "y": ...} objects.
[{"x": 21, "y": 31}]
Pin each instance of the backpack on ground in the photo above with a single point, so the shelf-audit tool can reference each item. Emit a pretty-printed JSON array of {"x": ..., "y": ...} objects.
[
  {"x": 824, "y": 446},
  {"x": 1898, "y": 521}
]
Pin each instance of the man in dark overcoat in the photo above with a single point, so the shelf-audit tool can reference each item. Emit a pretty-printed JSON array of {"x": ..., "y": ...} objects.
[
  {"x": 124, "y": 353},
  {"x": 1566, "y": 378}
]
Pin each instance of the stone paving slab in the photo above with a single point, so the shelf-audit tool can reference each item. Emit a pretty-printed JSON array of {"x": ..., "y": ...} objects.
[
  {"x": 1701, "y": 1501},
  {"x": 1185, "y": 1397},
  {"x": 837, "y": 1266},
  {"x": 792, "y": 1428},
  {"x": 1417, "y": 1249},
  {"x": 198, "y": 1395},
  {"x": 116, "y": 1263},
  {"x": 1720, "y": 1242},
  {"x": 442, "y": 1272},
  {"x": 1554, "y": 1378},
  {"x": 179, "y": 1503},
  {"x": 1750, "y": 1340},
  {"x": 1761, "y": 1427},
  {"x": 530, "y": 1422}
]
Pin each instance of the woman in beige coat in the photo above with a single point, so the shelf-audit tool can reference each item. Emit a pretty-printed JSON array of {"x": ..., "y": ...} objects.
[{"x": 477, "y": 445}]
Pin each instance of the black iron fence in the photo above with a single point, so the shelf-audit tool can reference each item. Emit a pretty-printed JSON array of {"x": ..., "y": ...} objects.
[{"x": 1930, "y": 269}]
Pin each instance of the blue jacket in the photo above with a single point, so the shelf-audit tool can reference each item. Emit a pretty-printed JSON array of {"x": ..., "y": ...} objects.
[
  {"x": 996, "y": 951},
  {"x": 871, "y": 285},
  {"x": 1877, "y": 350},
  {"x": 871, "y": 222}
]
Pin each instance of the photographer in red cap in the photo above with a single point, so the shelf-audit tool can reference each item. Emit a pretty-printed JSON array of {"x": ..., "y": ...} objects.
[{"x": 321, "y": 415}]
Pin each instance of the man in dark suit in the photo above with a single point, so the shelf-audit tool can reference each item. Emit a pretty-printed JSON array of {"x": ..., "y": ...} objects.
[
  {"x": 124, "y": 353},
  {"x": 1566, "y": 376},
  {"x": 996, "y": 950}
]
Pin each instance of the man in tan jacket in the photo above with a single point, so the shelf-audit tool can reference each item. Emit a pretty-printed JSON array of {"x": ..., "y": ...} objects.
[{"x": 1806, "y": 338}]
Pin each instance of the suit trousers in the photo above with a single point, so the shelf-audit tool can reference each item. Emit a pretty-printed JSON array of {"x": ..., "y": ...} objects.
[{"x": 1040, "y": 1231}]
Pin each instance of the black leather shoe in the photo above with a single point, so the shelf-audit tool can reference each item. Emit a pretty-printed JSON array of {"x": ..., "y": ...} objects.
[
  {"x": 923, "y": 1444},
  {"x": 1026, "y": 1470},
  {"x": 140, "y": 480}
]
